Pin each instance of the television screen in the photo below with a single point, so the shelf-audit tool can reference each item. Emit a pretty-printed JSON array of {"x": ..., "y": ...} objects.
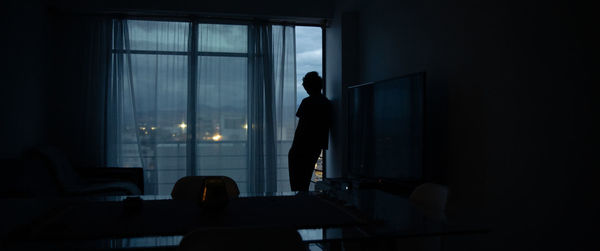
[{"x": 386, "y": 128}]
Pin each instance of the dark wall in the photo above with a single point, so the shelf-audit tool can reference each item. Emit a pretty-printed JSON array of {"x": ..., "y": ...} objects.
[
  {"x": 309, "y": 9},
  {"x": 510, "y": 105},
  {"x": 338, "y": 75},
  {"x": 23, "y": 43}
]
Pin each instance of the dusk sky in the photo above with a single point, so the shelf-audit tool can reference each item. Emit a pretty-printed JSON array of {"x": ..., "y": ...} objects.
[{"x": 308, "y": 55}]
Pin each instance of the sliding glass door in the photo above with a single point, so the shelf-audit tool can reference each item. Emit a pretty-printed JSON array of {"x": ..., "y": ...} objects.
[{"x": 222, "y": 101}]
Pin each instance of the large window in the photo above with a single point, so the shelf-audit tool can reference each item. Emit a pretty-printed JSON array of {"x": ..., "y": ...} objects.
[{"x": 182, "y": 97}]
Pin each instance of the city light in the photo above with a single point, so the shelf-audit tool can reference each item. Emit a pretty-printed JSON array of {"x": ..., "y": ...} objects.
[
  {"x": 182, "y": 125},
  {"x": 153, "y": 128},
  {"x": 245, "y": 126},
  {"x": 216, "y": 137},
  {"x": 142, "y": 128}
]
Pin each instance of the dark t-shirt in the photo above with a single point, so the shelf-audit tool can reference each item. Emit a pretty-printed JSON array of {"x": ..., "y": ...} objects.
[{"x": 314, "y": 123}]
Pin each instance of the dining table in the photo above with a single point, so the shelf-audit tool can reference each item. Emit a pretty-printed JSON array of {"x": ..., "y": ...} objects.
[{"x": 158, "y": 221}]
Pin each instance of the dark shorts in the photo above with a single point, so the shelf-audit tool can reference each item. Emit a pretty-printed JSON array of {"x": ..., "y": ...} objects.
[{"x": 301, "y": 163}]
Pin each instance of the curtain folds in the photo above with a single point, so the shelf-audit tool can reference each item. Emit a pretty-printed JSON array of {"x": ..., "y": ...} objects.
[
  {"x": 92, "y": 145},
  {"x": 261, "y": 117},
  {"x": 284, "y": 74},
  {"x": 243, "y": 90},
  {"x": 272, "y": 107}
]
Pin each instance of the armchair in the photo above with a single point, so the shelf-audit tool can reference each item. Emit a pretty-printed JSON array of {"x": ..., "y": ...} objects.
[{"x": 51, "y": 167}]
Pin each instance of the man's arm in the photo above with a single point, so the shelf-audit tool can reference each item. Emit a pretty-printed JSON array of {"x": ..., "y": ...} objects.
[{"x": 301, "y": 109}]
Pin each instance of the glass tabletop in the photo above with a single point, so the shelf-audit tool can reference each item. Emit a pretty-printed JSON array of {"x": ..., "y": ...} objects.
[
  {"x": 388, "y": 216},
  {"x": 168, "y": 197}
]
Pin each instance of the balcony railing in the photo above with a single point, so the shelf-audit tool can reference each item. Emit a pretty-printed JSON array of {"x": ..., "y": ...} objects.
[{"x": 165, "y": 162}]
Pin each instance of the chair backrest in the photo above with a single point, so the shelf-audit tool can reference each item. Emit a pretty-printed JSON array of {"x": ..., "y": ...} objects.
[
  {"x": 430, "y": 196},
  {"x": 55, "y": 165},
  {"x": 60, "y": 164},
  {"x": 190, "y": 187},
  {"x": 28, "y": 176},
  {"x": 249, "y": 239}
]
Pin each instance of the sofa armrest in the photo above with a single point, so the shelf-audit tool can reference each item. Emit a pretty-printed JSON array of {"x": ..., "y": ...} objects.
[{"x": 134, "y": 175}]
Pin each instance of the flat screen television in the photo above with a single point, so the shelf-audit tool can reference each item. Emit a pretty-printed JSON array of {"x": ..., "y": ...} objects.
[{"x": 386, "y": 129}]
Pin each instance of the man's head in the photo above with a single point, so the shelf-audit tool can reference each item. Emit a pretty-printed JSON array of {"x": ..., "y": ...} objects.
[{"x": 312, "y": 82}]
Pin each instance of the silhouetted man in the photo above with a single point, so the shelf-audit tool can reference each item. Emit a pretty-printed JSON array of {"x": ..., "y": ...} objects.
[{"x": 312, "y": 133}]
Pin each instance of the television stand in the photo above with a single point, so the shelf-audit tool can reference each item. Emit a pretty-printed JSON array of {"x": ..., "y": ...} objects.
[{"x": 398, "y": 187}]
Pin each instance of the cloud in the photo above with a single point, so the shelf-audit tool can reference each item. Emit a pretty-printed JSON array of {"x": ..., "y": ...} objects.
[
  {"x": 308, "y": 39},
  {"x": 309, "y": 56}
]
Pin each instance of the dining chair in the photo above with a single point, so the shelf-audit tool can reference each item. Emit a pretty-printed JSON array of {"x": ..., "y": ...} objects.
[
  {"x": 191, "y": 187},
  {"x": 247, "y": 239},
  {"x": 430, "y": 196}
]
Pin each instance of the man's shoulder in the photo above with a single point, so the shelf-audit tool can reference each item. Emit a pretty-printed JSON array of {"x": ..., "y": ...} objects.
[
  {"x": 325, "y": 100},
  {"x": 317, "y": 99}
]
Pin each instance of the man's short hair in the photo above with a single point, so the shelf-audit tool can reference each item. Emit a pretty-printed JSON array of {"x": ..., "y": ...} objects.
[{"x": 312, "y": 82}]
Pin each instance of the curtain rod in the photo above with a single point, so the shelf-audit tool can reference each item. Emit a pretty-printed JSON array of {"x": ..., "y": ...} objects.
[{"x": 179, "y": 16}]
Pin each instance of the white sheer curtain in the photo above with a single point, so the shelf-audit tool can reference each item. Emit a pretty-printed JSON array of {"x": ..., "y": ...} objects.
[
  {"x": 226, "y": 92},
  {"x": 272, "y": 110},
  {"x": 284, "y": 72},
  {"x": 147, "y": 100}
]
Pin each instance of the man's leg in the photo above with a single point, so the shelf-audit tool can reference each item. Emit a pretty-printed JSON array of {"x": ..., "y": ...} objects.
[
  {"x": 296, "y": 166},
  {"x": 308, "y": 161}
]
